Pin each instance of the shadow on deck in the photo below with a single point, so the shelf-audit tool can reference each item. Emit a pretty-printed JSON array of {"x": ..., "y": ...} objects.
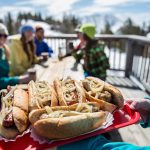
[{"x": 122, "y": 82}]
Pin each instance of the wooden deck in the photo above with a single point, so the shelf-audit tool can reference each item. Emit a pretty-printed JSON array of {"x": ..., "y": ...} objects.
[{"x": 134, "y": 134}]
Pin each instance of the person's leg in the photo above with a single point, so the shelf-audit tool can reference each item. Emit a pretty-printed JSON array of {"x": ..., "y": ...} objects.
[
  {"x": 86, "y": 74},
  {"x": 77, "y": 61}
]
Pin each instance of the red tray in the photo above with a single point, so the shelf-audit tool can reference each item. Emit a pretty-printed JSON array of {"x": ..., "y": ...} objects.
[{"x": 122, "y": 118}]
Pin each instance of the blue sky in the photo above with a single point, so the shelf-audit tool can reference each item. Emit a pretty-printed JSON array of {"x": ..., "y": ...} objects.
[{"x": 138, "y": 10}]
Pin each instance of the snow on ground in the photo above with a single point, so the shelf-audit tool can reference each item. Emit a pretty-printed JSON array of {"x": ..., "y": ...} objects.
[{"x": 148, "y": 35}]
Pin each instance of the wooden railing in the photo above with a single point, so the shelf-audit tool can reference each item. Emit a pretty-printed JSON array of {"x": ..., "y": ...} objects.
[{"x": 127, "y": 53}]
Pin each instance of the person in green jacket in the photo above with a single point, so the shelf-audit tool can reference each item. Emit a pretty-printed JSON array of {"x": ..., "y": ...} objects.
[
  {"x": 5, "y": 80},
  {"x": 96, "y": 62},
  {"x": 101, "y": 143}
]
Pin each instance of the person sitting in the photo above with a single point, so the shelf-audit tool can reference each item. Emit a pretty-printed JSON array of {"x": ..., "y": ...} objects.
[
  {"x": 23, "y": 54},
  {"x": 5, "y": 80},
  {"x": 41, "y": 45}
]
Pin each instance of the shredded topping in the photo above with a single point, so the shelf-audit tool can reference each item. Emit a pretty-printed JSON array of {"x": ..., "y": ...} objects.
[
  {"x": 81, "y": 108},
  {"x": 7, "y": 103},
  {"x": 96, "y": 90},
  {"x": 41, "y": 93},
  {"x": 48, "y": 109},
  {"x": 70, "y": 92},
  {"x": 59, "y": 114}
]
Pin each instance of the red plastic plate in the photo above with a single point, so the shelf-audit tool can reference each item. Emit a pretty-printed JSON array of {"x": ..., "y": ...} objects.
[{"x": 122, "y": 118}]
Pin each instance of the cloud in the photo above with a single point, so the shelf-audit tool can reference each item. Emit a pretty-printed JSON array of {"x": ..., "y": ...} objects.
[
  {"x": 137, "y": 19},
  {"x": 34, "y": 2},
  {"x": 110, "y": 2},
  {"x": 14, "y": 10},
  {"x": 90, "y": 10},
  {"x": 55, "y": 8},
  {"x": 58, "y": 7},
  {"x": 117, "y": 2}
]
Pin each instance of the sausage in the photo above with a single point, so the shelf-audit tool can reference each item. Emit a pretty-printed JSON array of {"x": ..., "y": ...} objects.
[
  {"x": 2, "y": 94},
  {"x": 8, "y": 120},
  {"x": 71, "y": 102}
]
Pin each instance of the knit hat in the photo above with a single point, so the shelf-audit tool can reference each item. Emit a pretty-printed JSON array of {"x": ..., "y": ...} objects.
[
  {"x": 38, "y": 27},
  {"x": 26, "y": 28},
  {"x": 3, "y": 29},
  {"x": 88, "y": 29}
]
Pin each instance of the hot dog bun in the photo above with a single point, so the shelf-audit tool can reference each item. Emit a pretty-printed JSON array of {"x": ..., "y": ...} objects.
[
  {"x": 20, "y": 114},
  {"x": 41, "y": 94},
  {"x": 67, "y": 121},
  {"x": 69, "y": 91},
  {"x": 109, "y": 97}
]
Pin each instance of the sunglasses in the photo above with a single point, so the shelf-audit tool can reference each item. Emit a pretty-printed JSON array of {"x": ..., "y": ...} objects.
[{"x": 3, "y": 35}]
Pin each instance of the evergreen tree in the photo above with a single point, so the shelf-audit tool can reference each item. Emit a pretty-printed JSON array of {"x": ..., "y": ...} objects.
[
  {"x": 107, "y": 28},
  {"x": 9, "y": 23},
  {"x": 130, "y": 28},
  {"x": 69, "y": 23},
  {"x": 1, "y": 20}
]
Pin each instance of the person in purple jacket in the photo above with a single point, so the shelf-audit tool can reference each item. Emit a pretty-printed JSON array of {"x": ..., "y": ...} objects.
[{"x": 41, "y": 45}]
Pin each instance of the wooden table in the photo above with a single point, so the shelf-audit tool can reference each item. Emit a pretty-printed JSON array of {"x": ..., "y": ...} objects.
[{"x": 58, "y": 69}]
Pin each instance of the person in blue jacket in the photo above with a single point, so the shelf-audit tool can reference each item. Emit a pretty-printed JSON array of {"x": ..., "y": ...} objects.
[
  {"x": 101, "y": 143},
  {"x": 41, "y": 45}
]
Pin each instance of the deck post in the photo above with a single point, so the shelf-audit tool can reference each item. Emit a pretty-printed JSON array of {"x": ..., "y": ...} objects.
[
  {"x": 67, "y": 49},
  {"x": 129, "y": 57}
]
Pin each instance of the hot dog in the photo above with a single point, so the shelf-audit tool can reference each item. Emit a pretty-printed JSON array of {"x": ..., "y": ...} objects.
[
  {"x": 14, "y": 113},
  {"x": 69, "y": 92},
  {"x": 105, "y": 94},
  {"x": 62, "y": 122}
]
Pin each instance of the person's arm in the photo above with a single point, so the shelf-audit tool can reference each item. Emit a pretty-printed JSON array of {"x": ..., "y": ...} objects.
[
  {"x": 48, "y": 49},
  {"x": 16, "y": 68},
  {"x": 147, "y": 123},
  {"x": 100, "y": 143},
  {"x": 68, "y": 54},
  {"x": 37, "y": 60},
  {"x": 143, "y": 107},
  {"x": 103, "y": 59},
  {"x": 99, "y": 62},
  {"x": 5, "y": 81}
]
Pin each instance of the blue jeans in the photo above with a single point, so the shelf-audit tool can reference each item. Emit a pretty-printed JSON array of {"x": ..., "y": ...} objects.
[{"x": 86, "y": 74}]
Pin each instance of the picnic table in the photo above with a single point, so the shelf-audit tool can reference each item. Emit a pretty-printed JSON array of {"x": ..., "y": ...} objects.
[{"x": 57, "y": 69}]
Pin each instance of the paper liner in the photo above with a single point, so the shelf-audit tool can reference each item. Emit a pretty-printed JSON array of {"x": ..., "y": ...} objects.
[
  {"x": 18, "y": 136},
  {"x": 42, "y": 140}
]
